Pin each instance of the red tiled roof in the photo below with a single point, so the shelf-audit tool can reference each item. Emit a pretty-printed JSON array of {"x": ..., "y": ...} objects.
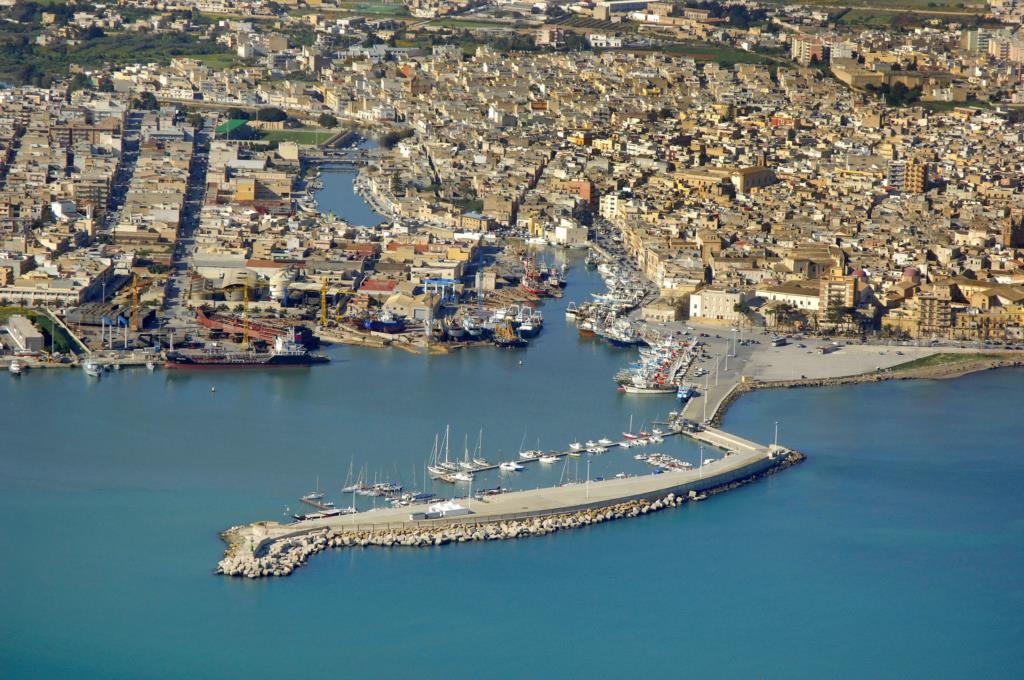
[{"x": 379, "y": 285}]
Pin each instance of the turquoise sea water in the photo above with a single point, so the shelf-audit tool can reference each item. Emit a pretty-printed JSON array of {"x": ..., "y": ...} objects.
[{"x": 896, "y": 550}]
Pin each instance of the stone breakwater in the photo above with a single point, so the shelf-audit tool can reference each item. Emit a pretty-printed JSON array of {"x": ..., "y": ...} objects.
[
  {"x": 938, "y": 372},
  {"x": 285, "y": 555}
]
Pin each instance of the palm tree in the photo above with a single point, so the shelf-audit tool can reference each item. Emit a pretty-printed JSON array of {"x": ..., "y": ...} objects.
[{"x": 783, "y": 313}]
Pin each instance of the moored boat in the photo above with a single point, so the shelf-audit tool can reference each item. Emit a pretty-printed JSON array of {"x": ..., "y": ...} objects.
[
  {"x": 284, "y": 354},
  {"x": 386, "y": 322}
]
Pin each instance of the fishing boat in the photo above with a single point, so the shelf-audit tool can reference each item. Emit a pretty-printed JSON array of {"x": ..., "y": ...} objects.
[
  {"x": 505, "y": 336},
  {"x": 474, "y": 329},
  {"x": 571, "y": 311},
  {"x": 527, "y": 329},
  {"x": 385, "y": 322},
  {"x": 647, "y": 389},
  {"x": 92, "y": 368},
  {"x": 15, "y": 367},
  {"x": 456, "y": 331}
]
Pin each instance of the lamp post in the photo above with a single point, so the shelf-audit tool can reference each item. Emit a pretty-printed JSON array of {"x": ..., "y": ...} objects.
[
  {"x": 705, "y": 397},
  {"x": 588, "y": 476}
]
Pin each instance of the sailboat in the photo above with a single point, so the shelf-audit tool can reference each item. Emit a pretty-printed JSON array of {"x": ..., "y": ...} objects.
[
  {"x": 447, "y": 465},
  {"x": 533, "y": 453},
  {"x": 434, "y": 467},
  {"x": 351, "y": 487},
  {"x": 466, "y": 463},
  {"x": 629, "y": 434},
  {"x": 478, "y": 458},
  {"x": 314, "y": 495}
]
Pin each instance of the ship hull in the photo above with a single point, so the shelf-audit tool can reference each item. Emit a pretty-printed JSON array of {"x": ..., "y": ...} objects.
[
  {"x": 209, "y": 364},
  {"x": 631, "y": 389},
  {"x": 384, "y": 326}
]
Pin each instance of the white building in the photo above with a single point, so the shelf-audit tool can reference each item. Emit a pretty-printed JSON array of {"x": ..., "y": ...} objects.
[
  {"x": 801, "y": 295},
  {"x": 718, "y": 303}
]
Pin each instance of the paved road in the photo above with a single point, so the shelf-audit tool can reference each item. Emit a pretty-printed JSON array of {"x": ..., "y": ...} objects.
[
  {"x": 175, "y": 310},
  {"x": 125, "y": 170}
]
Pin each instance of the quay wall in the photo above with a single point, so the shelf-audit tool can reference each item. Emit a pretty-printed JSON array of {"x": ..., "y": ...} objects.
[{"x": 697, "y": 486}]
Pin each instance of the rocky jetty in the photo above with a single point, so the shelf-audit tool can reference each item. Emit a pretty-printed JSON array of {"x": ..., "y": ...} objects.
[
  {"x": 247, "y": 557},
  {"x": 898, "y": 372}
]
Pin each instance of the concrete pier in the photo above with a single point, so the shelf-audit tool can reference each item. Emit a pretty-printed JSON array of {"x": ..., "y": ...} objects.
[{"x": 271, "y": 548}]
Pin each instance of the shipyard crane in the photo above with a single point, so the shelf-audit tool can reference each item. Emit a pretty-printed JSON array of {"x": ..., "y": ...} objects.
[
  {"x": 323, "y": 303},
  {"x": 245, "y": 307}
]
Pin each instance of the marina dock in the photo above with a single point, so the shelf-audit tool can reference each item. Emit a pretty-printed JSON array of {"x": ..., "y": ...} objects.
[{"x": 271, "y": 548}]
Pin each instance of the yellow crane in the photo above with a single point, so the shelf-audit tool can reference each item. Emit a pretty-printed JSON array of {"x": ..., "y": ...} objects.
[
  {"x": 245, "y": 315},
  {"x": 245, "y": 307},
  {"x": 135, "y": 303},
  {"x": 323, "y": 303}
]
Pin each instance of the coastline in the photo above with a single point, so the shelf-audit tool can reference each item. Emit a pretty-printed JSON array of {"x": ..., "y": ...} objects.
[{"x": 940, "y": 371}]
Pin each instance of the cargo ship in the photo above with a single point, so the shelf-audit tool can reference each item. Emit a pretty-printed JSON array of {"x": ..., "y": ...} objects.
[{"x": 285, "y": 353}]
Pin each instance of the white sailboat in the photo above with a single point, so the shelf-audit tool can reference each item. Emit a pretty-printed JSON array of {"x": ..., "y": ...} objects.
[{"x": 478, "y": 455}]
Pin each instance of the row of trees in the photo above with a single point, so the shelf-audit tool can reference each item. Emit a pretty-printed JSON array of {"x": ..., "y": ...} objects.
[{"x": 898, "y": 94}]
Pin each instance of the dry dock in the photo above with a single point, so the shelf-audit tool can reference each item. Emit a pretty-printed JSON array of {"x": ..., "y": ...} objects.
[{"x": 274, "y": 549}]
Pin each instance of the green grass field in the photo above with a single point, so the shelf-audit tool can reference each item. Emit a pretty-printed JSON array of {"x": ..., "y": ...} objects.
[
  {"x": 219, "y": 61},
  {"x": 300, "y": 135},
  {"x": 392, "y": 9},
  {"x": 948, "y": 359}
]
